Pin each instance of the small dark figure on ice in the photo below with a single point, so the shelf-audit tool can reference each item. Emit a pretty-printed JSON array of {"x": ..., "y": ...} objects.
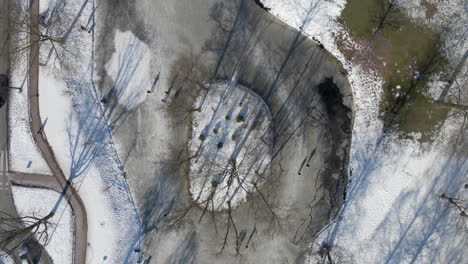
[{"x": 260, "y": 4}]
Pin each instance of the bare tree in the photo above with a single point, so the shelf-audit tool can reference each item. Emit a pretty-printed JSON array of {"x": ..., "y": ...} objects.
[
  {"x": 421, "y": 74},
  {"x": 26, "y": 31},
  {"x": 188, "y": 78},
  {"x": 386, "y": 17},
  {"x": 457, "y": 203},
  {"x": 54, "y": 32},
  {"x": 15, "y": 231},
  {"x": 332, "y": 254}
]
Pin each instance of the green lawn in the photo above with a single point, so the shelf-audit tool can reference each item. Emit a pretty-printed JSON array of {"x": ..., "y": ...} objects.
[{"x": 398, "y": 51}]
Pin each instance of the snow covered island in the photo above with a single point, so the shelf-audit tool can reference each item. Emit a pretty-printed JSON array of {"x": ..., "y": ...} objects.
[{"x": 230, "y": 147}]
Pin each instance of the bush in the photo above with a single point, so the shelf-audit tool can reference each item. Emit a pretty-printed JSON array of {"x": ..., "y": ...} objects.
[
  {"x": 228, "y": 117},
  {"x": 234, "y": 137},
  {"x": 220, "y": 145},
  {"x": 202, "y": 137},
  {"x": 240, "y": 118},
  {"x": 215, "y": 130},
  {"x": 214, "y": 183},
  {"x": 256, "y": 124}
]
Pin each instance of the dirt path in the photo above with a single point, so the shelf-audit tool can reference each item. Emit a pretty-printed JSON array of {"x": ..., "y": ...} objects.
[{"x": 79, "y": 212}]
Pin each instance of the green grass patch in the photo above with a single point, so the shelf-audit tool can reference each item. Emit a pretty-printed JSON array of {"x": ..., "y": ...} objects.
[
  {"x": 358, "y": 14},
  {"x": 402, "y": 51},
  {"x": 423, "y": 116}
]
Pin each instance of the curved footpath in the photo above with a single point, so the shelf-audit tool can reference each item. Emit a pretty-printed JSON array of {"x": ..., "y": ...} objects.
[
  {"x": 34, "y": 180},
  {"x": 79, "y": 212}
]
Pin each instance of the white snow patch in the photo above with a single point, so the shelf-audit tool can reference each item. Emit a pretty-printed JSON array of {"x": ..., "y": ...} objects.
[
  {"x": 54, "y": 106},
  {"x": 129, "y": 67},
  {"x": 102, "y": 227},
  {"x": 45, "y": 5},
  {"x": 5, "y": 259},
  {"x": 39, "y": 202},
  {"x": 316, "y": 18}
]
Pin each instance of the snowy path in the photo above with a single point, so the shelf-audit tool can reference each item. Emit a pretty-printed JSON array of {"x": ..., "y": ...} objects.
[{"x": 46, "y": 150}]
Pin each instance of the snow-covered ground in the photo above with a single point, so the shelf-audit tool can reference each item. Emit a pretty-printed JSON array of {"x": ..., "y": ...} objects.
[
  {"x": 101, "y": 227},
  {"x": 393, "y": 212},
  {"x": 129, "y": 69},
  {"x": 240, "y": 120},
  {"x": 40, "y": 202},
  {"x": 46, "y": 5},
  {"x": 5, "y": 259},
  {"x": 79, "y": 133},
  {"x": 24, "y": 156}
]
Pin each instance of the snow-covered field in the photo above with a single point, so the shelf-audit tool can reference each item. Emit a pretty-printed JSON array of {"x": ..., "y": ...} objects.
[
  {"x": 101, "y": 226},
  {"x": 40, "y": 202},
  {"x": 233, "y": 116},
  {"x": 81, "y": 137},
  {"x": 24, "y": 156},
  {"x": 393, "y": 212}
]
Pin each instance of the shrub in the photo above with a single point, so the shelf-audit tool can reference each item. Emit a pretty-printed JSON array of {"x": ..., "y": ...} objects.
[
  {"x": 215, "y": 130},
  {"x": 240, "y": 118},
  {"x": 202, "y": 137},
  {"x": 228, "y": 117},
  {"x": 256, "y": 124},
  {"x": 220, "y": 145},
  {"x": 214, "y": 183}
]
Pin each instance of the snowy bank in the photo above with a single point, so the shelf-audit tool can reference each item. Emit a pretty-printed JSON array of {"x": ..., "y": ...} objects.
[{"x": 393, "y": 212}]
